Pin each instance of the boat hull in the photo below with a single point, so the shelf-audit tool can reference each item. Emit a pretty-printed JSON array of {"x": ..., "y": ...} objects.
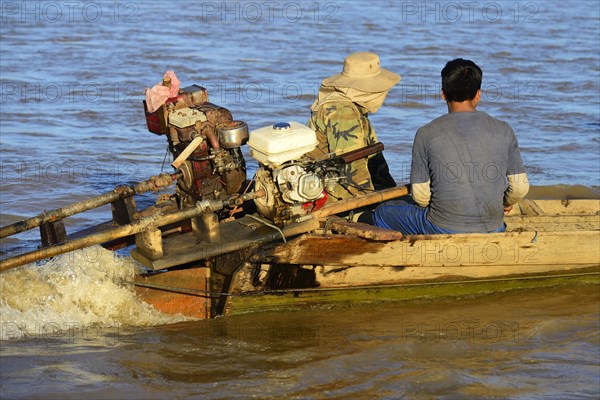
[
  {"x": 292, "y": 299},
  {"x": 547, "y": 243}
]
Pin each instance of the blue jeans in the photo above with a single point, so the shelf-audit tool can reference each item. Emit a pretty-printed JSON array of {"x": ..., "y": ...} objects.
[{"x": 408, "y": 218}]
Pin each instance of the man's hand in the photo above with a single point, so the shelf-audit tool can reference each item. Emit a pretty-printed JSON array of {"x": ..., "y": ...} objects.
[{"x": 507, "y": 209}]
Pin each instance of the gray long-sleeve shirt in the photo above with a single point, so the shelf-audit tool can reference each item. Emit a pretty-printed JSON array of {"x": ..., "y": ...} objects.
[{"x": 466, "y": 158}]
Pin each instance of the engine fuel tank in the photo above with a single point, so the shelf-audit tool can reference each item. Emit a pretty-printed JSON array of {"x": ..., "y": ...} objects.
[{"x": 281, "y": 142}]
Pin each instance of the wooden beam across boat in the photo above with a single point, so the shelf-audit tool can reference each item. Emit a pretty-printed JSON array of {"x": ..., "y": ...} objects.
[
  {"x": 522, "y": 249},
  {"x": 153, "y": 184},
  {"x": 234, "y": 236},
  {"x": 248, "y": 231}
]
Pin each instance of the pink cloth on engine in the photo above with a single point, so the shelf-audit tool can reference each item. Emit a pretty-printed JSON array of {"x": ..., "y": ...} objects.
[{"x": 157, "y": 96}]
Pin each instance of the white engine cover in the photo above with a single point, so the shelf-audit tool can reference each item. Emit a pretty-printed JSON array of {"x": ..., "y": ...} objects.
[{"x": 282, "y": 142}]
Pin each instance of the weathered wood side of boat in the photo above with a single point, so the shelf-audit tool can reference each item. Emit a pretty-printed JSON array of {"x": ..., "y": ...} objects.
[{"x": 547, "y": 242}]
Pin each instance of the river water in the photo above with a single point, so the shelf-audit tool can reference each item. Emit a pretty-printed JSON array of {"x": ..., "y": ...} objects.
[{"x": 72, "y": 126}]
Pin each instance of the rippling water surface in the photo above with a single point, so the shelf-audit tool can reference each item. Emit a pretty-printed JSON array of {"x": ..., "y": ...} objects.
[{"x": 72, "y": 79}]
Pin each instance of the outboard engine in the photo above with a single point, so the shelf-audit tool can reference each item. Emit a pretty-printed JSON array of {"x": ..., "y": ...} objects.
[
  {"x": 295, "y": 185},
  {"x": 216, "y": 168}
]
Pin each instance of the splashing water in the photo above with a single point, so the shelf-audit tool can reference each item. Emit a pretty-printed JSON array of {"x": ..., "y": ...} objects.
[{"x": 77, "y": 290}]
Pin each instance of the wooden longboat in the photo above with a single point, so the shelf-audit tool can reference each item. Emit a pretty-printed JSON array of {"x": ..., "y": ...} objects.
[
  {"x": 253, "y": 266},
  {"x": 200, "y": 267}
]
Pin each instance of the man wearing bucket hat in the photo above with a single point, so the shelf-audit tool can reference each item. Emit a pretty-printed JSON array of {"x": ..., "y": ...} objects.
[{"x": 340, "y": 116}]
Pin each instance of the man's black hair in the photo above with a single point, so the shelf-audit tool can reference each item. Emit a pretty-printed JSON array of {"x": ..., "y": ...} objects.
[{"x": 461, "y": 79}]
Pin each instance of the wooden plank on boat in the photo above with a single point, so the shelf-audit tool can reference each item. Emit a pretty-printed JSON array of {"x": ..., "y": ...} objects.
[
  {"x": 149, "y": 243},
  {"x": 553, "y": 222},
  {"x": 529, "y": 207},
  {"x": 234, "y": 236},
  {"x": 53, "y": 233},
  {"x": 161, "y": 208},
  {"x": 123, "y": 210},
  {"x": 104, "y": 236},
  {"x": 569, "y": 206},
  {"x": 501, "y": 249},
  {"x": 361, "y": 201},
  {"x": 339, "y": 277},
  {"x": 362, "y": 230}
]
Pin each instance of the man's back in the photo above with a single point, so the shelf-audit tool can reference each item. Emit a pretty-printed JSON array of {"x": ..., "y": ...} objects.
[
  {"x": 466, "y": 166},
  {"x": 467, "y": 156}
]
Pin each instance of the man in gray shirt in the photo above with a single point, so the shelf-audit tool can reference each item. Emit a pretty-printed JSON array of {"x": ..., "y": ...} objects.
[{"x": 466, "y": 166}]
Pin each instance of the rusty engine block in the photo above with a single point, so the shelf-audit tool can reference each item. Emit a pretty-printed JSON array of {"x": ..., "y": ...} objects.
[{"x": 217, "y": 167}]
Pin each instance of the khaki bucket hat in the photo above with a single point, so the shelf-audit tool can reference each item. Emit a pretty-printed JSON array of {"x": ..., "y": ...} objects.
[{"x": 362, "y": 71}]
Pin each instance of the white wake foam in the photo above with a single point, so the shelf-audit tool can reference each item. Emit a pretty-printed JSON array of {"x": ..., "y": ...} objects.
[{"x": 73, "y": 291}]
